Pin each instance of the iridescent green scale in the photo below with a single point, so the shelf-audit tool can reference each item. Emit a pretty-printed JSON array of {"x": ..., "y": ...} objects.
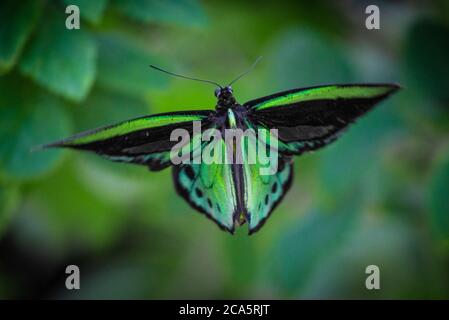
[
  {"x": 209, "y": 188},
  {"x": 228, "y": 192}
]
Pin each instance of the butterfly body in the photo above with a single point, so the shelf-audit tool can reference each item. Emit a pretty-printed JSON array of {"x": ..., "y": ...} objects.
[{"x": 227, "y": 191}]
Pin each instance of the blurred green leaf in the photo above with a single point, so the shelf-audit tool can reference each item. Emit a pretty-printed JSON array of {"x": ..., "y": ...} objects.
[
  {"x": 182, "y": 96},
  {"x": 61, "y": 60},
  {"x": 115, "y": 280},
  {"x": 421, "y": 114},
  {"x": 302, "y": 247},
  {"x": 206, "y": 276},
  {"x": 372, "y": 63},
  {"x": 303, "y": 58},
  {"x": 18, "y": 19},
  {"x": 438, "y": 198},
  {"x": 117, "y": 183},
  {"x": 124, "y": 67},
  {"x": 426, "y": 54},
  {"x": 405, "y": 266},
  {"x": 76, "y": 216},
  {"x": 103, "y": 107},
  {"x": 26, "y": 121},
  {"x": 90, "y": 10},
  {"x": 180, "y": 12},
  {"x": 9, "y": 196},
  {"x": 442, "y": 9},
  {"x": 241, "y": 251}
]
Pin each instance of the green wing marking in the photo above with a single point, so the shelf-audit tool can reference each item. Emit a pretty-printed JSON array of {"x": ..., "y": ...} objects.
[
  {"x": 130, "y": 126},
  {"x": 265, "y": 182},
  {"x": 332, "y": 92},
  {"x": 210, "y": 188}
]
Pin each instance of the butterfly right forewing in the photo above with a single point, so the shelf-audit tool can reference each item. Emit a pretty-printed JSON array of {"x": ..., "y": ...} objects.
[{"x": 310, "y": 118}]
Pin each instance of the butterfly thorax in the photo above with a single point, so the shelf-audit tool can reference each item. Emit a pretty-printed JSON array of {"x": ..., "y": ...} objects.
[{"x": 225, "y": 97}]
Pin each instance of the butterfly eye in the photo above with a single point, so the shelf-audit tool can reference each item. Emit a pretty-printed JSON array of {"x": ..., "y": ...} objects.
[
  {"x": 217, "y": 92},
  {"x": 229, "y": 89}
]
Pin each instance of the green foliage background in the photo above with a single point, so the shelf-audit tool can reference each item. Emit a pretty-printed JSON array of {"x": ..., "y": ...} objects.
[{"x": 377, "y": 196}]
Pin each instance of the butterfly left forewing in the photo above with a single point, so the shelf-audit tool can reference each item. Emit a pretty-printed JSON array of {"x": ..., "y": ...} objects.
[{"x": 144, "y": 140}]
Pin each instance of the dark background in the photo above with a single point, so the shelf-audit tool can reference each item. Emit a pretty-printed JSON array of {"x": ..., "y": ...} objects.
[{"x": 377, "y": 196}]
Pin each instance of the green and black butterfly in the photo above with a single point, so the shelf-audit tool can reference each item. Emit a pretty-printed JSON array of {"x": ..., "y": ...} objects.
[{"x": 306, "y": 119}]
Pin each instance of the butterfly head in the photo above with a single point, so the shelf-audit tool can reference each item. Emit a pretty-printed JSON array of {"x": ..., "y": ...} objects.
[{"x": 225, "y": 97}]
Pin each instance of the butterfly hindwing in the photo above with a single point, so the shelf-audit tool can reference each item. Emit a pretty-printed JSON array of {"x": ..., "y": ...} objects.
[
  {"x": 210, "y": 188},
  {"x": 144, "y": 140},
  {"x": 310, "y": 118},
  {"x": 266, "y": 176}
]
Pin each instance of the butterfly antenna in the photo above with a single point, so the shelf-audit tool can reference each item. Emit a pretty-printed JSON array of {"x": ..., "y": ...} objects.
[
  {"x": 185, "y": 77},
  {"x": 246, "y": 72}
]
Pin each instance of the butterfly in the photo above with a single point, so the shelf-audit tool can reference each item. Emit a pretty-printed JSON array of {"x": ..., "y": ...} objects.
[{"x": 232, "y": 194}]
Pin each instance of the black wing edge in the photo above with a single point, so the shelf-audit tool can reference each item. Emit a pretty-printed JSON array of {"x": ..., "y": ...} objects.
[
  {"x": 285, "y": 189},
  {"x": 181, "y": 192}
]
